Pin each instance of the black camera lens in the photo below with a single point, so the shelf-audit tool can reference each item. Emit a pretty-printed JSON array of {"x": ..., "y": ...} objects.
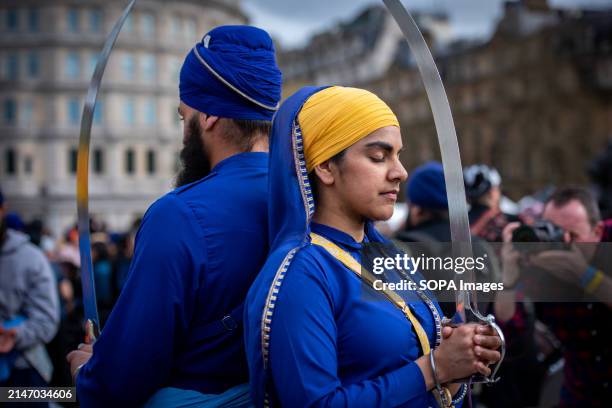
[
  {"x": 540, "y": 231},
  {"x": 525, "y": 233}
]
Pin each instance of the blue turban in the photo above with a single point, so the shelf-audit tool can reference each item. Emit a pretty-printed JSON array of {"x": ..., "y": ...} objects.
[
  {"x": 14, "y": 221},
  {"x": 232, "y": 73},
  {"x": 426, "y": 187}
]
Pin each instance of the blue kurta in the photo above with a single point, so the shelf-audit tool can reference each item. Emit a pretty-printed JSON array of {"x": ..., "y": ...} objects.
[
  {"x": 197, "y": 251},
  {"x": 334, "y": 343}
]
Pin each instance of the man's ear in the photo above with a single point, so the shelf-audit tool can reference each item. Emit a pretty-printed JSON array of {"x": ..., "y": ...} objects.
[
  {"x": 207, "y": 122},
  {"x": 325, "y": 172}
]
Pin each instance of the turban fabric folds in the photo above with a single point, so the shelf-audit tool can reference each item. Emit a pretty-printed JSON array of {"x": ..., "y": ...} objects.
[
  {"x": 336, "y": 117},
  {"x": 232, "y": 73}
]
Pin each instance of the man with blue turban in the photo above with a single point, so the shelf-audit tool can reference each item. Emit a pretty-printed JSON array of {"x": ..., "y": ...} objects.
[
  {"x": 426, "y": 196},
  {"x": 174, "y": 337},
  {"x": 428, "y": 230}
]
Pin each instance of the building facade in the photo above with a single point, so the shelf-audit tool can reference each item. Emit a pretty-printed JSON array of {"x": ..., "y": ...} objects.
[
  {"x": 48, "y": 51},
  {"x": 535, "y": 100},
  {"x": 355, "y": 52}
]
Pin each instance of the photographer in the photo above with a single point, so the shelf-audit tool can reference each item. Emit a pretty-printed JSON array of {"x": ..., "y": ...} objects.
[
  {"x": 582, "y": 328},
  {"x": 483, "y": 191}
]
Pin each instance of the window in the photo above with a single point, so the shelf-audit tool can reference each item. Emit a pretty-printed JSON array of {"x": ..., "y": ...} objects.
[
  {"x": 12, "y": 20},
  {"x": 93, "y": 61},
  {"x": 98, "y": 161},
  {"x": 150, "y": 112},
  {"x": 149, "y": 68},
  {"x": 33, "y": 21},
  {"x": 98, "y": 115},
  {"x": 74, "y": 111},
  {"x": 28, "y": 164},
  {"x": 12, "y": 66},
  {"x": 151, "y": 162},
  {"x": 33, "y": 65},
  {"x": 128, "y": 26},
  {"x": 72, "y": 160},
  {"x": 129, "y": 112},
  {"x": 73, "y": 20},
  {"x": 148, "y": 25},
  {"x": 176, "y": 26},
  {"x": 130, "y": 165},
  {"x": 26, "y": 113},
  {"x": 191, "y": 31},
  {"x": 175, "y": 68},
  {"x": 73, "y": 65},
  {"x": 10, "y": 111},
  {"x": 95, "y": 20},
  {"x": 128, "y": 67},
  {"x": 11, "y": 162}
]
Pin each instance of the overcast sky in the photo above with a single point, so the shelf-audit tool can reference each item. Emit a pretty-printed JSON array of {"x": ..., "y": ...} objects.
[{"x": 292, "y": 22}]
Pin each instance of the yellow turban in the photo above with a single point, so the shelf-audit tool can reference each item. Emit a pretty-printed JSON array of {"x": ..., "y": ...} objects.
[{"x": 337, "y": 117}]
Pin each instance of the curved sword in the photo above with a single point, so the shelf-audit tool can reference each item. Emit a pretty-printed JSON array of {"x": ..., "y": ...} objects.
[
  {"x": 466, "y": 306},
  {"x": 82, "y": 187}
]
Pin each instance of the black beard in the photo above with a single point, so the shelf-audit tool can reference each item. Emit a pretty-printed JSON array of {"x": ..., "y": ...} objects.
[{"x": 194, "y": 158}]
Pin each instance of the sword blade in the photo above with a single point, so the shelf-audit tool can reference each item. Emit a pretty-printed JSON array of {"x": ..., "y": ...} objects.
[
  {"x": 82, "y": 187},
  {"x": 449, "y": 149}
]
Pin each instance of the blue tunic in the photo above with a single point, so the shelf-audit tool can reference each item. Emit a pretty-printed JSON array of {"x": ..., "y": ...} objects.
[
  {"x": 334, "y": 343},
  {"x": 197, "y": 251}
]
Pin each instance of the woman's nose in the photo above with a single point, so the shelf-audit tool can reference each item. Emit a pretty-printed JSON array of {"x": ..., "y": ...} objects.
[{"x": 398, "y": 172}]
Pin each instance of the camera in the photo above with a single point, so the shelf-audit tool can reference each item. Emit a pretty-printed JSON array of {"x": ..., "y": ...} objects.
[{"x": 541, "y": 232}]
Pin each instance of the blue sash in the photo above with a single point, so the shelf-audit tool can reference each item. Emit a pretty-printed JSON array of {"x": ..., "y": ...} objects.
[{"x": 236, "y": 397}]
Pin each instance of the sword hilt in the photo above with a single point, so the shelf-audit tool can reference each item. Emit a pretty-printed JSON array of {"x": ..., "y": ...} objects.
[
  {"x": 489, "y": 320},
  {"x": 91, "y": 332}
]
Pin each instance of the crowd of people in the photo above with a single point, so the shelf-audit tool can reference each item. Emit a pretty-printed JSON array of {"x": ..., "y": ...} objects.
[
  {"x": 255, "y": 296},
  {"x": 538, "y": 345},
  {"x": 566, "y": 335},
  {"x": 60, "y": 300}
]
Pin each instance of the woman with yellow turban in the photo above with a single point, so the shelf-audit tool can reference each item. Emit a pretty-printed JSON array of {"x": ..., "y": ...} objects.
[{"x": 317, "y": 333}]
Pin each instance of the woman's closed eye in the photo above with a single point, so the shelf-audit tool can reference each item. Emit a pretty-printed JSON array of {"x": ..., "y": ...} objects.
[{"x": 378, "y": 157}]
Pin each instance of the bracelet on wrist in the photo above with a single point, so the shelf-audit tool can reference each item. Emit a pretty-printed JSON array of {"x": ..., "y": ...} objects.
[
  {"x": 460, "y": 394},
  {"x": 445, "y": 397}
]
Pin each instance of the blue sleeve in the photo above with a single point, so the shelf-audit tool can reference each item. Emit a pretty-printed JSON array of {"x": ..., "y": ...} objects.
[
  {"x": 134, "y": 353},
  {"x": 303, "y": 355}
]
